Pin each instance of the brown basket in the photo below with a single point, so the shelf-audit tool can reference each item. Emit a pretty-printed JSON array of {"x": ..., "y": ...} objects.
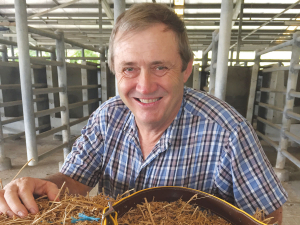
[{"x": 169, "y": 194}]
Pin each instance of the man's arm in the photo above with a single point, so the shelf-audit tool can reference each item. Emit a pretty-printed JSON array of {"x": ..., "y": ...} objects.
[
  {"x": 277, "y": 216},
  {"x": 17, "y": 196}
]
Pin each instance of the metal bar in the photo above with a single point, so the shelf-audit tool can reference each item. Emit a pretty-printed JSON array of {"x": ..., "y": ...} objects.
[
  {"x": 274, "y": 48},
  {"x": 40, "y": 91},
  {"x": 83, "y": 58},
  {"x": 196, "y": 77},
  {"x": 272, "y": 90},
  {"x": 83, "y": 87},
  {"x": 74, "y": 43},
  {"x": 239, "y": 41},
  {"x": 292, "y": 158},
  {"x": 79, "y": 121},
  {"x": 208, "y": 49},
  {"x": 267, "y": 139},
  {"x": 10, "y": 86},
  {"x": 25, "y": 80},
  {"x": 63, "y": 96},
  {"x": 268, "y": 106},
  {"x": 294, "y": 94},
  {"x": 7, "y": 42},
  {"x": 252, "y": 32},
  {"x": 52, "y": 9},
  {"x": 223, "y": 48},
  {"x": 293, "y": 115},
  {"x": 252, "y": 91},
  {"x": 275, "y": 126},
  {"x": 274, "y": 69},
  {"x": 19, "y": 102},
  {"x": 119, "y": 8},
  {"x": 214, "y": 56},
  {"x": 23, "y": 133},
  {"x": 289, "y": 102},
  {"x": 50, "y": 132},
  {"x": 42, "y": 32},
  {"x": 82, "y": 66},
  {"x": 292, "y": 136},
  {"x": 12, "y": 120},
  {"x": 45, "y": 62},
  {"x": 4, "y": 53},
  {"x": 50, "y": 152},
  {"x": 78, "y": 104},
  {"x": 207, "y": 69},
  {"x": 49, "y": 111},
  {"x": 100, "y": 16}
]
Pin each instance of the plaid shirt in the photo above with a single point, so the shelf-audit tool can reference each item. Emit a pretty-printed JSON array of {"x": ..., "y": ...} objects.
[{"x": 208, "y": 147}]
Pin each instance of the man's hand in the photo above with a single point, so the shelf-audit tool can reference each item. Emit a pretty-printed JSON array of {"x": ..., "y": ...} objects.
[{"x": 17, "y": 196}]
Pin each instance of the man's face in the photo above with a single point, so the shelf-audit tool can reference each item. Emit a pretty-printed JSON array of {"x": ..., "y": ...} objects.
[{"x": 148, "y": 71}]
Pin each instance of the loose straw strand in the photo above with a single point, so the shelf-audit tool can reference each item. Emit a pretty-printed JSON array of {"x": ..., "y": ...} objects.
[{"x": 32, "y": 159}]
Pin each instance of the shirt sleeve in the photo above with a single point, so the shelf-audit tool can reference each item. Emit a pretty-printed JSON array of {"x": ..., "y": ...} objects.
[
  {"x": 246, "y": 176},
  {"x": 84, "y": 162}
]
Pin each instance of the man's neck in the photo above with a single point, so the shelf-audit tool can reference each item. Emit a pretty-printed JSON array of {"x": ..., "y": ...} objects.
[{"x": 149, "y": 136}]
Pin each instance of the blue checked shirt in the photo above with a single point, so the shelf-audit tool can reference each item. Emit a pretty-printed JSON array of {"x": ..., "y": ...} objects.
[{"x": 208, "y": 147}]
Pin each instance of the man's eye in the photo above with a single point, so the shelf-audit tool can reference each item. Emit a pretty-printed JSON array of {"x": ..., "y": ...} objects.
[
  {"x": 161, "y": 67},
  {"x": 130, "y": 69},
  {"x": 160, "y": 70},
  {"x": 130, "y": 72}
]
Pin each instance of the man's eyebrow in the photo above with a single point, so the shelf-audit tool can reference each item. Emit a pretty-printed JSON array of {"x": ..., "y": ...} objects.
[{"x": 125, "y": 63}]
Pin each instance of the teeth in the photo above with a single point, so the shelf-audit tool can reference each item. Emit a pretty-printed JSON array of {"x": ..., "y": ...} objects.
[{"x": 148, "y": 100}]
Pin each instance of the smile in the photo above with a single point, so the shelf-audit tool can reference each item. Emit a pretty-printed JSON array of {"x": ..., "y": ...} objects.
[{"x": 143, "y": 100}]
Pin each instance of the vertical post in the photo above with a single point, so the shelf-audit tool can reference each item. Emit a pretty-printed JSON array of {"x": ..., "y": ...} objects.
[
  {"x": 203, "y": 72},
  {"x": 239, "y": 41},
  {"x": 231, "y": 57},
  {"x": 119, "y": 8},
  {"x": 223, "y": 48},
  {"x": 103, "y": 74},
  {"x": 252, "y": 91},
  {"x": 100, "y": 15},
  {"x": 4, "y": 53},
  {"x": 196, "y": 77},
  {"x": 82, "y": 53},
  {"x": 213, "y": 62},
  {"x": 53, "y": 55},
  {"x": 63, "y": 96},
  {"x": 289, "y": 101},
  {"x": 85, "y": 96},
  {"x": 12, "y": 51},
  {"x": 25, "y": 77},
  {"x": 5, "y": 162}
]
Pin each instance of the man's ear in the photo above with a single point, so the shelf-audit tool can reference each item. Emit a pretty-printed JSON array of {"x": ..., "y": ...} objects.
[{"x": 188, "y": 71}]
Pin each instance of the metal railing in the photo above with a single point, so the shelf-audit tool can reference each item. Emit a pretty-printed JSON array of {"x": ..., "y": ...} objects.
[
  {"x": 288, "y": 109},
  {"x": 30, "y": 90}
]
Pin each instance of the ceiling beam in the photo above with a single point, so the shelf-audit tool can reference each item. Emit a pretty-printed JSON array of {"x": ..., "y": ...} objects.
[{"x": 52, "y": 9}]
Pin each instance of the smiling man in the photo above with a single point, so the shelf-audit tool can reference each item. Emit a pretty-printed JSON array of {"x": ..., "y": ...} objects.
[{"x": 157, "y": 132}]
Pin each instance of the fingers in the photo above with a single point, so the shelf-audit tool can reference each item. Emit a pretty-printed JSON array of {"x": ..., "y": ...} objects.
[
  {"x": 12, "y": 198},
  {"x": 17, "y": 197},
  {"x": 4, "y": 208}
]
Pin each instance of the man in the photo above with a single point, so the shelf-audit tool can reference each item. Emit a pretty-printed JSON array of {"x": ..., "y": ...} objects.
[{"x": 158, "y": 133}]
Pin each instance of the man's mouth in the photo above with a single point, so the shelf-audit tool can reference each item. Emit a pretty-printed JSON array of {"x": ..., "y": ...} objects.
[{"x": 148, "y": 100}]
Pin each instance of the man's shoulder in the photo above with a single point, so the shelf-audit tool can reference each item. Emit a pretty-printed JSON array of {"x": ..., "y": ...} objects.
[{"x": 208, "y": 107}]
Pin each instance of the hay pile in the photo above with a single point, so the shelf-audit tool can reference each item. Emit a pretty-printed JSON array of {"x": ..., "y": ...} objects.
[
  {"x": 165, "y": 213},
  {"x": 62, "y": 212}
]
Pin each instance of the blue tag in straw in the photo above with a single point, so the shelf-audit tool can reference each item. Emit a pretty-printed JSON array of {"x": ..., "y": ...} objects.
[{"x": 83, "y": 217}]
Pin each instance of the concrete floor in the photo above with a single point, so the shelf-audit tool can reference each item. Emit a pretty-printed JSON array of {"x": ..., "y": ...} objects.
[{"x": 16, "y": 150}]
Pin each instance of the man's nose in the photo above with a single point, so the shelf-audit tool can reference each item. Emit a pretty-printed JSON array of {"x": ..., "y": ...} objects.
[{"x": 146, "y": 83}]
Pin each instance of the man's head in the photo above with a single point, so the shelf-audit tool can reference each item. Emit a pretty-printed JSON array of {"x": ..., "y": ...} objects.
[{"x": 142, "y": 16}]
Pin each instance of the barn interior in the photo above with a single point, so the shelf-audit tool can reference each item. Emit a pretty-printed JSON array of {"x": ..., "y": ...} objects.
[{"x": 54, "y": 74}]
